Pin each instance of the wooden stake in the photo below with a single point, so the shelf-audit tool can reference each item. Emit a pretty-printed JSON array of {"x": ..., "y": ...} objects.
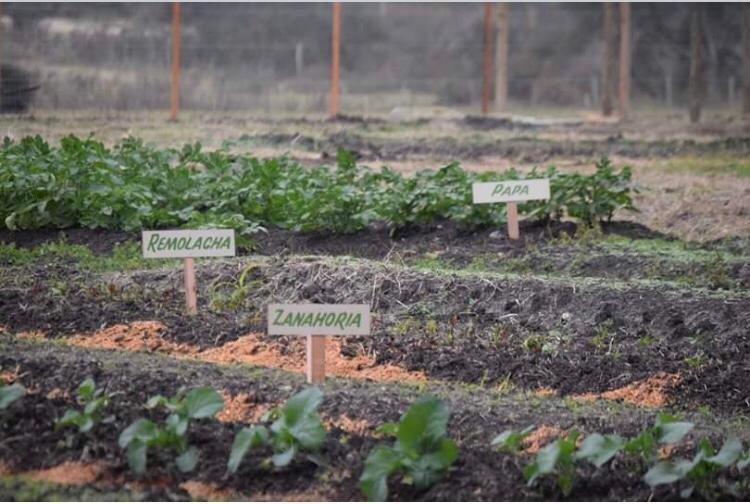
[
  {"x": 191, "y": 298},
  {"x": 512, "y": 214},
  {"x": 175, "y": 76},
  {"x": 333, "y": 104},
  {"x": 624, "y": 58},
  {"x": 316, "y": 359},
  {"x": 501, "y": 57},
  {"x": 487, "y": 59}
]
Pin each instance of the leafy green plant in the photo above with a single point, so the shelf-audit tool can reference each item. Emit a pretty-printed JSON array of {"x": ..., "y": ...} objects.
[
  {"x": 94, "y": 402},
  {"x": 699, "y": 472},
  {"x": 556, "y": 458},
  {"x": 144, "y": 434},
  {"x": 10, "y": 393},
  {"x": 510, "y": 441},
  {"x": 133, "y": 186},
  {"x": 422, "y": 451},
  {"x": 296, "y": 428}
]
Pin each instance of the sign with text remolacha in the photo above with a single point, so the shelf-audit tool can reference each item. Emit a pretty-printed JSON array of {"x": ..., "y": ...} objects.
[
  {"x": 319, "y": 319},
  {"x": 510, "y": 191},
  {"x": 188, "y": 243}
]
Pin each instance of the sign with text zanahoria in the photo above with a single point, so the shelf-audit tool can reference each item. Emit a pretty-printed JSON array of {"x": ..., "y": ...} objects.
[
  {"x": 186, "y": 243},
  {"x": 319, "y": 319},
  {"x": 511, "y": 191}
]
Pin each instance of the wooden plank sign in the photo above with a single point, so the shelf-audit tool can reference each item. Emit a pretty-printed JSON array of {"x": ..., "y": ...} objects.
[
  {"x": 511, "y": 192},
  {"x": 316, "y": 321},
  {"x": 188, "y": 244}
]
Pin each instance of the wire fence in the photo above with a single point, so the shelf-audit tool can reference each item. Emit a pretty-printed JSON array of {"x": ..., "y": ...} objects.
[{"x": 275, "y": 58}]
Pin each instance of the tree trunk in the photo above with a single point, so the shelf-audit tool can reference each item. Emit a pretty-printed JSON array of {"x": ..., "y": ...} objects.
[
  {"x": 609, "y": 63},
  {"x": 746, "y": 58},
  {"x": 624, "y": 87},
  {"x": 501, "y": 57},
  {"x": 697, "y": 86}
]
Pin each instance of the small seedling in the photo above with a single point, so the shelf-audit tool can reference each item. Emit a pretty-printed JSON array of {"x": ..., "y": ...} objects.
[
  {"x": 94, "y": 402},
  {"x": 297, "y": 427},
  {"x": 143, "y": 434},
  {"x": 10, "y": 393},
  {"x": 555, "y": 458},
  {"x": 422, "y": 452},
  {"x": 510, "y": 441}
]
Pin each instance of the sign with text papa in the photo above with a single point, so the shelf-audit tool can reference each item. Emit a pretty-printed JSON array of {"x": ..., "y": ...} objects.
[
  {"x": 188, "y": 244},
  {"x": 316, "y": 321},
  {"x": 511, "y": 192}
]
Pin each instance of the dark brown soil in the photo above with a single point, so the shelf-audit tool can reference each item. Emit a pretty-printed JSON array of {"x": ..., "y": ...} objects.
[
  {"x": 480, "y": 474},
  {"x": 573, "y": 338}
]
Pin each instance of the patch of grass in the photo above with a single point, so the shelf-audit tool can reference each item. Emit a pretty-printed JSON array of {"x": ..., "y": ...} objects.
[
  {"x": 709, "y": 165},
  {"x": 125, "y": 256}
]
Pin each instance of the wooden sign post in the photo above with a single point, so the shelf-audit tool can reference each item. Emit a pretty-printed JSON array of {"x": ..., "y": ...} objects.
[
  {"x": 188, "y": 244},
  {"x": 316, "y": 321},
  {"x": 511, "y": 192}
]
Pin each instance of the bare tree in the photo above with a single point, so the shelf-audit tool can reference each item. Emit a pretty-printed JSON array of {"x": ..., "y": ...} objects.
[
  {"x": 609, "y": 63},
  {"x": 697, "y": 85}
]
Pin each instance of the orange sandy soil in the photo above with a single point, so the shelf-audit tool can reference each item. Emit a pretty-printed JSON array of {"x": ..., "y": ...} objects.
[
  {"x": 651, "y": 392},
  {"x": 539, "y": 437},
  {"x": 248, "y": 349}
]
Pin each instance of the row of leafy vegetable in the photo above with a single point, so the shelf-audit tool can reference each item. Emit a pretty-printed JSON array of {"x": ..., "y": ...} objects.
[
  {"x": 422, "y": 452},
  {"x": 133, "y": 186}
]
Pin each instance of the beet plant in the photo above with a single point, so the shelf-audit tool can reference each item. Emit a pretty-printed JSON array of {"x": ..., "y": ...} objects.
[
  {"x": 557, "y": 458},
  {"x": 296, "y": 428},
  {"x": 699, "y": 473},
  {"x": 94, "y": 402},
  {"x": 10, "y": 393},
  {"x": 171, "y": 435},
  {"x": 422, "y": 452}
]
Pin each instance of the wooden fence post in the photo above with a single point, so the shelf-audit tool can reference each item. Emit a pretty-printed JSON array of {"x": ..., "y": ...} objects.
[
  {"x": 608, "y": 63},
  {"x": 175, "y": 76},
  {"x": 487, "y": 59},
  {"x": 624, "y": 87},
  {"x": 333, "y": 104},
  {"x": 501, "y": 57}
]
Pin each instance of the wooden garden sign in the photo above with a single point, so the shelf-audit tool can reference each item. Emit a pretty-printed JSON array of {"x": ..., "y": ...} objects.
[
  {"x": 511, "y": 192},
  {"x": 188, "y": 244},
  {"x": 316, "y": 321}
]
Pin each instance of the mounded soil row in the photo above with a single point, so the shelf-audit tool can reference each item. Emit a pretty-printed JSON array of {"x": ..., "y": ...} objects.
[
  {"x": 571, "y": 338},
  {"x": 52, "y": 372}
]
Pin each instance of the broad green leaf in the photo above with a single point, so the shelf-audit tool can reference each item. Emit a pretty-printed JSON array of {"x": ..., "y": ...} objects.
[
  {"x": 667, "y": 471},
  {"x": 379, "y": 464},
  {"x": 86, "y": 424},
  {"x": 86, "y": 389},
  {"x": 10, "y": 394},
  {"x": 142, "y": 430},
  {"x": 427, "y": 418},
  {"x": 203, "y": 402},
  {"x": 71, "y": 417},
  {"x": 728, "y": 454},
  {"x": 301, "y": 404},
  {"x": 137, "y": 456},
  {"x": 187, "y": 461},
  {"x": 599, "y": 449},
  {"x": 246, "y": 439},
  {"x": 673, "y": 432},
  {"x": 155, "y": 401},
  {"x": 284, "y": 458}
]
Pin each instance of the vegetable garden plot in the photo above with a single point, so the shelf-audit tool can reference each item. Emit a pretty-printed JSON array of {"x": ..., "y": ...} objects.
[
  {"x": 479, "y": 472},
  {"x": 574, "y": 337}
]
